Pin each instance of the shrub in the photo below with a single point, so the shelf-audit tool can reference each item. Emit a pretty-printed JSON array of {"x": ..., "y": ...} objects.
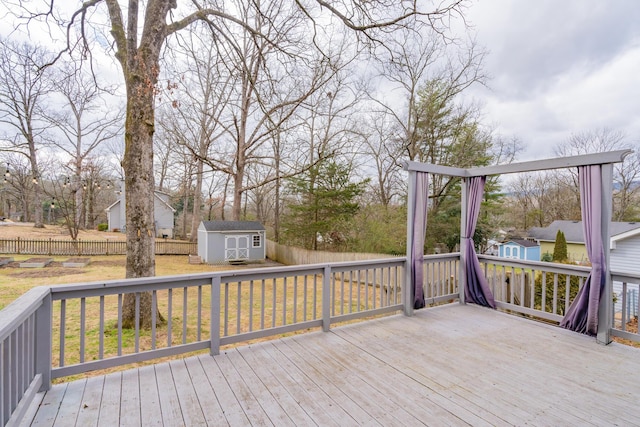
[{"x": 103, "y": 227}]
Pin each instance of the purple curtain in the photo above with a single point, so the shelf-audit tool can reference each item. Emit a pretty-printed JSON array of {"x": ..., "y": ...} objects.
[
  {"x": 582, "y": 315},
  {"x": 476, "y": 289},
  {"x": 420, "y": 198}
]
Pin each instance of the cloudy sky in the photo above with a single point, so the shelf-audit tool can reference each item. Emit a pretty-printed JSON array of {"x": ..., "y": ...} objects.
[{"x": 559, "y": 67}]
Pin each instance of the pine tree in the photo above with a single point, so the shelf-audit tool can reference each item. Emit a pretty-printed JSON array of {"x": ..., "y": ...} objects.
[{"x": 560, "y": 248}]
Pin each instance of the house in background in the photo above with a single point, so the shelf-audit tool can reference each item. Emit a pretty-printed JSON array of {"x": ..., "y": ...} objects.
[
  {"x": 520, "y": 249},
  {"x": 231, "y": 241},
  {"x": 624, "y": 246},
  {"x": 116, "y": 214},
  {"x": 622, "y": 232}
]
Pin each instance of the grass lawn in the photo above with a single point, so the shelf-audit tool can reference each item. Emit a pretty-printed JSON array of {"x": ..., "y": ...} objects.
[{"x": 15, "y": 281}]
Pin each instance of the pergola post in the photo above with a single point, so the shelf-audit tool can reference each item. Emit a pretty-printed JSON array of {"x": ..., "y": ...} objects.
[
  {"x": 462, "y": 271},
  {"x": 605, "y": 308},
  {"x": 407, "y": 289}
]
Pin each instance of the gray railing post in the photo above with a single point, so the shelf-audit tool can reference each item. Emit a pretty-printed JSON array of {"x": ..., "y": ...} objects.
[
  {"x": 43, "y": 340},
  {"x": 215, "y": 316},
  {"x": 326, "y": 299},
  {"x": 605, "y": 308}
]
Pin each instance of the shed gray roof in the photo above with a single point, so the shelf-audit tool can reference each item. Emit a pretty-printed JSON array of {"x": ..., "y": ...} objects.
[
  {"x": 522, "y": 242},
  {"x": 233, "y": 226},
  {"x": 573, "y": 230}
]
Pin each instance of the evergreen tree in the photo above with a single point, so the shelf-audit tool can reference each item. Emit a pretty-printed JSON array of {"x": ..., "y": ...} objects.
[
  {"x": 324, "y": 207},
  {"x": 560, "y": 248}
]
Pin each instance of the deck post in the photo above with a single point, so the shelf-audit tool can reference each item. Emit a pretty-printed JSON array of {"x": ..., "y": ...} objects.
[
  {"x": 326, "y": 298},
  {"x": 605, "y": 308},
  {"x": 462, "y": 270},
  {"x": 408, "y": 290},
  {"x": 214, "y": 350},
  {"x": 43, "y": 339}
]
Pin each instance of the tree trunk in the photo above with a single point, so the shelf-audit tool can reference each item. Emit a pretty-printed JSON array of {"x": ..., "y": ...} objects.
[
  {"x": 139, "y": 186},
  {"x": 197, "y": 202}
]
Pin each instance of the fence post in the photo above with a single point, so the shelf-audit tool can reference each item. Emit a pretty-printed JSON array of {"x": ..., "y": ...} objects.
[
  {"x": 214, "y": 320},
  {"x": 326, "y": 299},
  {"x": 43, "y": 342}
]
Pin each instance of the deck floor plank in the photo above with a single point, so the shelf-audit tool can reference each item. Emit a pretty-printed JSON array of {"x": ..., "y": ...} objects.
[
  {"x": 168, "y": 395},
  {"x": 337, "y": 404},
  {"x": 91, "y": 399},
  {"x": 313, "y": 400},
  {"x": 150, "y": 410},
  {"x": 453, "y": 365},
  {"x": 110, "y": 403},
  {"x": 243, "y": 391},
  {"x": 130, "y": 398},
  {"x": 189, "y": 403},
  {"x": 211, "y": 409},
  {"x": 271, "y": 406},
  {"x": 233, "y": 412},
  {"x": 70, "y": 405},
  {"x": 48, "y": 407},
  {"x": 269, "y": 375}
]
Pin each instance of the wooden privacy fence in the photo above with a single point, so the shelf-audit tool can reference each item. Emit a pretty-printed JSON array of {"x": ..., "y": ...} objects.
[{"x": 88, "y": 247}]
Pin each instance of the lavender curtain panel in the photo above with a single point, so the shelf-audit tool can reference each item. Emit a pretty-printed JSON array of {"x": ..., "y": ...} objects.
[
  {"x": 582, "y": 315},
  {"x": 417, "y": 239},
  {"x": 477, "y": 289}
]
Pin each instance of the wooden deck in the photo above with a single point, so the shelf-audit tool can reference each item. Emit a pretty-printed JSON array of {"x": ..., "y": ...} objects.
[{"x": 452, "y": 365}]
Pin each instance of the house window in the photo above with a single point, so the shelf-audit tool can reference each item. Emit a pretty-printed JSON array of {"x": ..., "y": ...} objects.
[{"x": 257, "y": 241}]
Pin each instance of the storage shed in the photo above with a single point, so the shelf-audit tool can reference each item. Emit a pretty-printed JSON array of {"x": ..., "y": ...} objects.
[
  {"x": 520, "y": 249},
  {"x": 231, "y": 241}
]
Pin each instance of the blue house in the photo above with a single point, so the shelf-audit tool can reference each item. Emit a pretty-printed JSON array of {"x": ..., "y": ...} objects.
[{"x": 520, "y": 249}]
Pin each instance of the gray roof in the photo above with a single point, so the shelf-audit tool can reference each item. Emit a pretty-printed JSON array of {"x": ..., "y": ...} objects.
[
  {"x": 233, "y": 226},
  {"x": 522, "y": 242},
  {"x": 573, "y": 230}
]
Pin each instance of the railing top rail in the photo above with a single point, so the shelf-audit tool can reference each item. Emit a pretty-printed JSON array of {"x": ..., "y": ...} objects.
[
  {"x": 19, "y": 310},
  {"x": 552, "y": 267},
  {"x": 161, "y": 282}
]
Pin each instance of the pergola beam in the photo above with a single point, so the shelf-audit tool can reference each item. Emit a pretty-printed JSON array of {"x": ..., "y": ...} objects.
[{"x": 530, "y": 166}]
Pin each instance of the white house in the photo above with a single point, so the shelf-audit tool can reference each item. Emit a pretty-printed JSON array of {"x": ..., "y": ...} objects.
[{"x": 116, "y": 214}]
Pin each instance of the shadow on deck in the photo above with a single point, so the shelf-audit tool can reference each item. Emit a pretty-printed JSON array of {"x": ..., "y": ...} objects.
[{"x": 450, "y": 365}]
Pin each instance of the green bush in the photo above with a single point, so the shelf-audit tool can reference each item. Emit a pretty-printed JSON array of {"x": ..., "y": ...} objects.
[{"x": 103, "y": 226}]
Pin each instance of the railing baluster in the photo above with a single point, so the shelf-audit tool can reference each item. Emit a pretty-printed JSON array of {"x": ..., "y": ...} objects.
[
  {"x": 120, "y": 324},
  {"x": 63, "y": 318},
  {"x": 83, "y": 319},
  {"x": 170, "y": 317},
  {"x": 250, "y": 305},
  {"x": 137, "y": 325},
  {"x": 199, "y": 327},
  {"x": 101, "y": 330},
  {"x": 185, "y": 312},
  {"x": 284, "y": 301},
  {"x": 238, "y": 306},
  {"x": 154, "y": 320},
  {"x": 624, "y": 313},
  {"x": 262, "y": 303},
  {"x": 273, "y": 302},
  {"x": 295, "y": 299}
]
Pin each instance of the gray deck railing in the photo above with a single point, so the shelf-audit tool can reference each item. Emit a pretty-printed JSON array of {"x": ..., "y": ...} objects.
[{"x": 52, "y": 332}]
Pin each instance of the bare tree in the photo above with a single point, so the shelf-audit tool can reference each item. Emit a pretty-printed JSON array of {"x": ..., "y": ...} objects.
[
  {"x": 137, "y": 44},
  {"x": 23, "y": 85},
  {"x": 626, "y": 174},
  {"x": 84, "y": 121}
]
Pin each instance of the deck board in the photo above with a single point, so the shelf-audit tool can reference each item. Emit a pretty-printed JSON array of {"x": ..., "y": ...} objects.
[{"x": 453, "y": 365}]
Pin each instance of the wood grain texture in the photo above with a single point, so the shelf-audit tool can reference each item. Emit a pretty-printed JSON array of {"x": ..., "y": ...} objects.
[{"x": 451, "y": 365}]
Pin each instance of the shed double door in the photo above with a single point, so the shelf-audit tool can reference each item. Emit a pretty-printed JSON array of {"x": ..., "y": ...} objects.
[{"x": 236, "y": 247}]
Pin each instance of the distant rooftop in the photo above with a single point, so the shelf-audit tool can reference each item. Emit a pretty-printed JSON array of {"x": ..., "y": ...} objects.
[{"x": 573, "y": 230}]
